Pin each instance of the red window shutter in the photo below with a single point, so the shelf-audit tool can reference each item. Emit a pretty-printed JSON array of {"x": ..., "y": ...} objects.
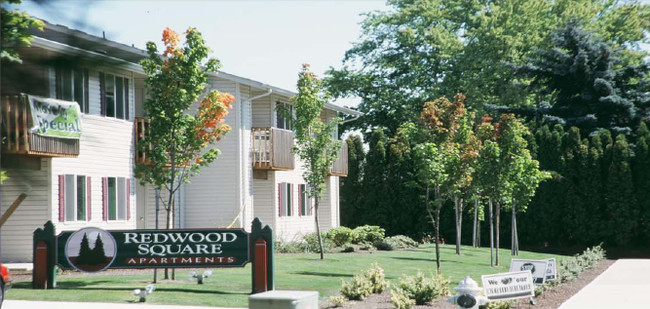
[
  {"x": 86, "y": 103},
  {"x": 280, "y": 200},
  {"x": 300, "y": 200},
  {"x": 61, "y": 198},
  {"x": 104, "y": 198},
  {"x": 128, "y": 199},
  {"x": 102, "y": 94},
  {"x": 89, "y": 208},
  {"x": 126, "y": 99}
]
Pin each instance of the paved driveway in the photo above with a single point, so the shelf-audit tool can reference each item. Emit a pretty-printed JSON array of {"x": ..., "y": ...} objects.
[
  {"x": 24, "y": 304},
  {"x": 625, "y": 284}
]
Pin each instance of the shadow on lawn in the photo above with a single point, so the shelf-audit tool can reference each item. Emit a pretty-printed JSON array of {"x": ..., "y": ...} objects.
[
  {"x": 93, "y": 286},
  {"x": 313, "y": 273}
]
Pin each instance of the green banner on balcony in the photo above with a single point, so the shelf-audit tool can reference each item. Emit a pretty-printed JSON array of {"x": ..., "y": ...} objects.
[{"x": 55, "y": 118}]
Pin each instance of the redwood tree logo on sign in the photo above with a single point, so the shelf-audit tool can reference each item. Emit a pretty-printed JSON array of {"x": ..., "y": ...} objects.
[{"x": 90, "y": 249}]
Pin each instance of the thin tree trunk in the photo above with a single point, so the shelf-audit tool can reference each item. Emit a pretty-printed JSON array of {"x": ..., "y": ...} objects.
[
  {"x": 456, "y": 207},
  {"x": 437, "y": 225},
  {"x": 514, "y": 218},
  {"x": 320, "y": 239},
  {"x": 491, "y": 234},
  {"x": 512, "y": 231},
  {"x": 496, "y": 223},
  {"x": 475, "y": 226}
]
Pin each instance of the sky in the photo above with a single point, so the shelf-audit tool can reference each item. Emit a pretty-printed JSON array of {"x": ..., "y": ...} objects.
[{"x": 264, "y": 40}]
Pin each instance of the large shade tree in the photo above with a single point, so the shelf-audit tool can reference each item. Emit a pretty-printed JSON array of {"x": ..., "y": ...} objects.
[{"x": 420, "y": 50}]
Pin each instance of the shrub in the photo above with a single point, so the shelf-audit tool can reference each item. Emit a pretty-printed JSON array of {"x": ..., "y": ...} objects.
[
  {"x": 357, "y": 289},
  {"x": 366, "y": 246},
  {"x": 422, "y": 289},
  {"x": 290, "y": 247},
  {"x": 340, "y": 235},
  {"x": 338, "y": 301},
  {"x": 377, "y": 278},
  {"x": 396, "y": 242},
  {"x": 400, "y": 299},
  {"x": 311, "y": 241},
  {"x": 348, "y": 249},
  {"x": 368, "y": 233}
]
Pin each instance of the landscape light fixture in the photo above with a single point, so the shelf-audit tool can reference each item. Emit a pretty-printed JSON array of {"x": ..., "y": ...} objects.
[
  {"x": 200, "y": 277},
  {"x": 143, "y": 293}
]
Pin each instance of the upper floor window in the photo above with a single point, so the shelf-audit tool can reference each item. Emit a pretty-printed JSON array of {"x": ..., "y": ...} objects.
[
  {"x": 283, "y": 112},
  {"x": 72, "y": 85},
  {"x": 114, "y": 95}
]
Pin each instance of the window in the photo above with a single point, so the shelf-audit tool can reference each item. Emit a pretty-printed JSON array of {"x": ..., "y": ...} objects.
[
  {"x": 281, "y": 111},
  {"x": 74, "y": 198},
  {"x": 305, "y": 200},
  {"x": 116, "y": 198},
  {"x": 72, "y": 85},
  {"x": 115, "y": 96},
  {"x": 285, "y": 199}
]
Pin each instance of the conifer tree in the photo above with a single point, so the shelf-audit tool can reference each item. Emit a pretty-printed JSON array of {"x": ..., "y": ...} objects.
[
  {"x": 374, "y": 181},
  {"x": 98, "y": 253},
  {"x": 85, "y": 254},
  {"x": 620, "y": 195},
  {"x": 351, "y": 186},
  {"x": 641, "y": 170}
]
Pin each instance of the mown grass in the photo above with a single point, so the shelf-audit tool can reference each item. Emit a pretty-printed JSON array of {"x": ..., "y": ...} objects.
[{"x": 230, "y": 287}]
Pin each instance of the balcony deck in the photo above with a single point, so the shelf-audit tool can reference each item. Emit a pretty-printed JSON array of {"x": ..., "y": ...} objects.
[
  {"x": 271, "y": 149},
  {"x": 16, "y": 138}
]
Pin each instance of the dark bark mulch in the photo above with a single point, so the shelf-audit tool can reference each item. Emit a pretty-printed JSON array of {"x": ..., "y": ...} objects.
[{"x": 550, "y": 299}]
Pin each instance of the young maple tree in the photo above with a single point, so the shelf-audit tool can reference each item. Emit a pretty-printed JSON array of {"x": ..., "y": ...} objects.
[
  {"x": 317, "y": 147},
  {"x": 177, "y": 143}
]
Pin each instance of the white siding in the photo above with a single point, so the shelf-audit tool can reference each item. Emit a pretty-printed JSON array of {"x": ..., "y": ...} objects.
[
  {"x": 263, "y": 110},
  {"x": 106, "y": 150},
  {"x": 212, "y": 197},
  {"x": 17, "y": 233}
]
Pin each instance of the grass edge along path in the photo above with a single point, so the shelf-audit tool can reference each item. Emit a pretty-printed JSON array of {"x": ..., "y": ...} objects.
[{"x": 229, "y": 287}]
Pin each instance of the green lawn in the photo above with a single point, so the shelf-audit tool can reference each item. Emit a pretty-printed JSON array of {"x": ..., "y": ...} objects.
[{"x": 230, "y": 287}]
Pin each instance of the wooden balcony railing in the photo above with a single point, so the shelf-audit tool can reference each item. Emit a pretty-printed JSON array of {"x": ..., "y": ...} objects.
[
  {"x": 272, "y": 149},
  {"x": 141, "y": 125},
  {"x": 16, "y": 138},
  {"x": 340, "y": 166}
]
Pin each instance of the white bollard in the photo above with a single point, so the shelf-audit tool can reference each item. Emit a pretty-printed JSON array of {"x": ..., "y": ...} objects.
[{"x": 284, "y": 300}]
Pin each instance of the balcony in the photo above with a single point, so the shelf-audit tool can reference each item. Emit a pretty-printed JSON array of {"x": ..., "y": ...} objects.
[
  {"x": 340, "y": 166},
  {"x": 272, "y": 149},
  {"x": 16, "y": 138}
]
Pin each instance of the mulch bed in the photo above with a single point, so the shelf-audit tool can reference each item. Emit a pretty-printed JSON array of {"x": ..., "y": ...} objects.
[{"x": 550, "y": 299}]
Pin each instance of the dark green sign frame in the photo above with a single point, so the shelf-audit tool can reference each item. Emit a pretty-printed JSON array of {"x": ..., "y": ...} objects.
[{"x": 93, "y": 249}]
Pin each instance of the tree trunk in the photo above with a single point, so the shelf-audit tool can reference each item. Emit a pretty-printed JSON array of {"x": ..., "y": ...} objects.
[
  {"x": 475, "y": 226},
  {"x": 458, "y": 204},
  {"x": 515, "y": 235},
  {"x": 170, "y": 224},
  {"x": 496, "y": 223},
  {"x": 491, "y": 233},
  {"x": 320, "y": 239},
  {"x": 512, "y": 231},
  {"x": 437, "y": 225}
]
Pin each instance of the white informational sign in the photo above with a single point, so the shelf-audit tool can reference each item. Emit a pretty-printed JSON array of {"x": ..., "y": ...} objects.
[
  {"x": 551, "y": 271},
  {"x": 510, "y": 285},
  {"x": 537, "y": 268}
]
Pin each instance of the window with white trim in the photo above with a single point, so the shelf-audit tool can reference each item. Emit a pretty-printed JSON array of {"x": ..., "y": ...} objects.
[
  {"x": 74, "y": 200},
  {"x": 116, "y": 198},
  {"x": 115, "y": 96},
  {"x": 282, "y": 111},
  {"x": 285, "y": 199},
  {"x": 305, "y": 200},
  {"x": 72, "y": 85}
]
